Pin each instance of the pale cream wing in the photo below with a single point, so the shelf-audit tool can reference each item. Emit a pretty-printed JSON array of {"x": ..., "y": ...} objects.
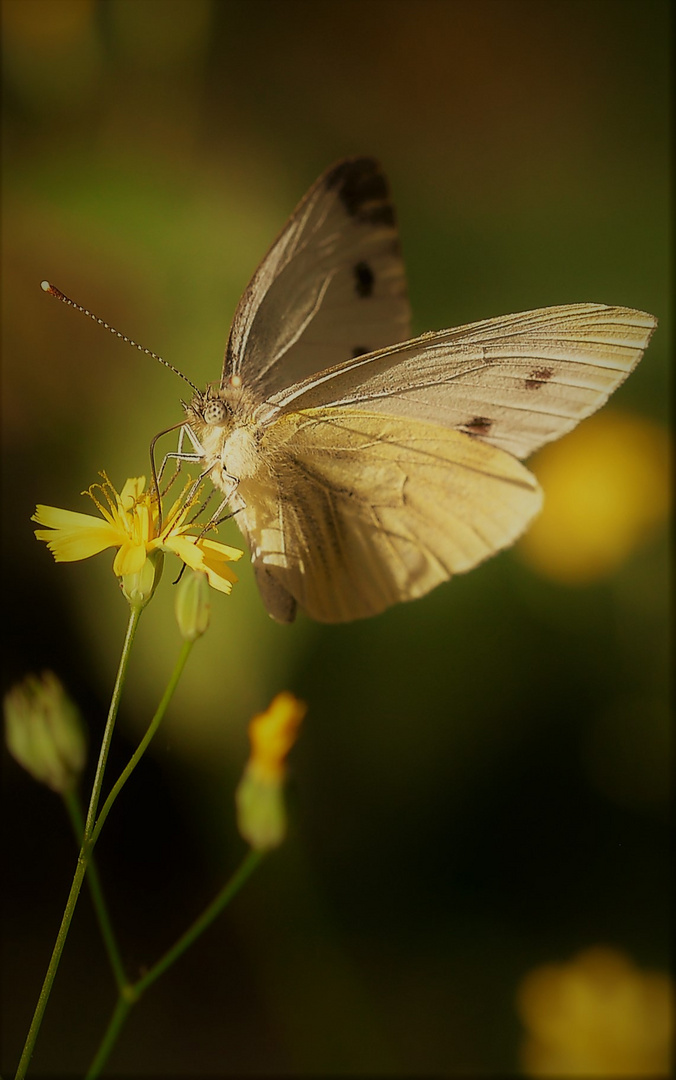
[
  {"x": 516, "y": 382},
  {"x": 361, "y": 511},
  {"x": 331, "y": 287}
]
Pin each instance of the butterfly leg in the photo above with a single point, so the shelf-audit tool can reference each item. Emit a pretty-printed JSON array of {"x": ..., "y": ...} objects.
[
  {"x": 213, "y": 522},
  {"x": 179, "y": 455},
  {"x": 218, "y": 516}
]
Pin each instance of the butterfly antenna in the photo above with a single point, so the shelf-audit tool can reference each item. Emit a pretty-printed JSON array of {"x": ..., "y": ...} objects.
[{"x": 53, "y": 291}]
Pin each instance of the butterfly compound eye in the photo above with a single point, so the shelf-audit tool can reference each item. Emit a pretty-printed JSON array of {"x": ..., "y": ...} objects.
[{"x": 215, "y": 412}]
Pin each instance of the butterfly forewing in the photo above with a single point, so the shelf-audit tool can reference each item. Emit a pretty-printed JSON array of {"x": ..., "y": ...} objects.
[
  {"x": 331, "y": 287},
  {"x": 364, "y": 511},
  {"x": 516, "y": 382}
]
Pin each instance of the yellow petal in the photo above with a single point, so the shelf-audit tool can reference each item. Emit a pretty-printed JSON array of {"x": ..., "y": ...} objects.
[
  {"x": 142, "y": 525},
  {"x": 132, "y": 490},
  {"x": 184, "y": 547},
  {"x": 217, "y": 570},
  {"x": 173, "y": 521},
  {"x": 194, "y": 551},
  {"x": 69, "y": 545},
  {"x": 212, "y": 563},
  {"x": 129, "y": 559},
  {"x": 220, "y": 577},
  {"x": 56, "y": 518},
  {"x": 273, "y": 733},
  {"x": 218, "y": 551}
]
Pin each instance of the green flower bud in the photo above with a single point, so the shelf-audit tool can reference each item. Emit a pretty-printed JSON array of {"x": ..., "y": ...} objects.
[
  {"x": 44, "y": 731},
  {"x": 138, "y": 588},
  {"x": 193, "y": 604},
  {"x": 261, "y": 814}
]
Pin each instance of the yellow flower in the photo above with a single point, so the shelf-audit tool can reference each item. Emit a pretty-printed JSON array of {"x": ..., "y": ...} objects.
[
  {"x": 607, "y": 490},
  {"x": 130, "y": 525},
  {"x": 596, "y": 1016},
  {"x": 261, "y": 815},
  {"x": 272, "y": 734}
]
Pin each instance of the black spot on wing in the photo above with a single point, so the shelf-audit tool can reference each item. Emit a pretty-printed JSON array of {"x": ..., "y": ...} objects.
[
  {"x": 377, "y": 215},
  {"x": 364, "y": 279},
  {"x": 478, "y": 425},
  {"x": 538, "y": 377},
  {"x": 363, "y": 191},
  {"x": 359, "y": 350}
]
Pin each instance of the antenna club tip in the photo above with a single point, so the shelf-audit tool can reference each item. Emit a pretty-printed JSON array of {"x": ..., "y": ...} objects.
[{"x": 45, "y": 286}]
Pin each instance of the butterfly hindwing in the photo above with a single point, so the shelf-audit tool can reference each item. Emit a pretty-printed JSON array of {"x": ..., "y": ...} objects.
[
  {"x": 363, "y": 511},
  {"x": 331, "y": 287}
]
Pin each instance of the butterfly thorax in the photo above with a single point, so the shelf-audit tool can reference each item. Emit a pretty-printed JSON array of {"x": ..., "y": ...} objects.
[{"x": 227, "y": 422}]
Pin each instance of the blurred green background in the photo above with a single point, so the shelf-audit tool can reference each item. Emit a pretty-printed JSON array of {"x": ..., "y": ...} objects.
[{"x": 481, "y": 783}]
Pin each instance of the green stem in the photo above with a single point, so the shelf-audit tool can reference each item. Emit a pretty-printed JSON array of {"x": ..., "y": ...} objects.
[
  {"x": 76, "y": 885},
  {"x": 85, "y": 851},
  {"x": 229, "y": 890},
  {"x": 132, "y": 994},
  {"x": 134, "y": 616},
  {"x": 145, "y": 741},
  {"x": 120, "y": 1014},
  {"x": 100, "y": 907}
]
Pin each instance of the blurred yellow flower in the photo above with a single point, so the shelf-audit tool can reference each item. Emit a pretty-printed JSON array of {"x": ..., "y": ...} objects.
[
  {"x": 607, "y": 487},
  {"x": 261, "y": 815},
  {"x": 130, "y": 524},
  {"x": 272, "y": 734},
  {"x": 596, "y": 1016}
]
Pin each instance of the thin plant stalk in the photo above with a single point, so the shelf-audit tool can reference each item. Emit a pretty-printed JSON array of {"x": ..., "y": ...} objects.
[
  {"x": 145, "y": 741},
  {"x": 130, "y": 994},
  {"x": 100, "y": 907},
  {"x": 85, "y": 850}
]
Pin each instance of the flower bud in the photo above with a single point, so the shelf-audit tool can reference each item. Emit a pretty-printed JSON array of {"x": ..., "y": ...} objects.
[
  {"x": 193, "y": 604},
  {"x": 44, "y": 731},
  {"x": 138, "y": 588},
  {"x": 261, "y": 816}
]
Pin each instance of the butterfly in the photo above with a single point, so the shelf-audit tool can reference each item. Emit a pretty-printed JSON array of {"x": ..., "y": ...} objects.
[{"x": 365, "y": 467}]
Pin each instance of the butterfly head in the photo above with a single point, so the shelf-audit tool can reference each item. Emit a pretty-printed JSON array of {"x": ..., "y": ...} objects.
[
  {"x": 216, "y": 412},
  {"x": 225, "y": 421},
  {"x": 209, "y": 408}
]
